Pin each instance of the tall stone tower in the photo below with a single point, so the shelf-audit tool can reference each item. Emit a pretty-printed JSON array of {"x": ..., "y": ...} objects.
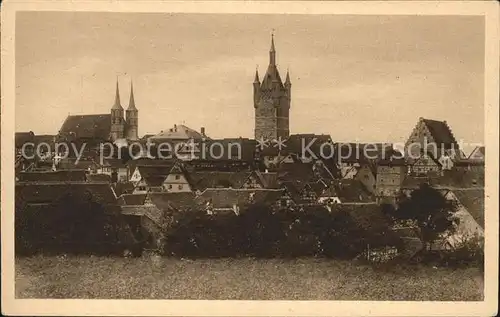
[
  {"x": 272, "y": 102},
  {"x": 132, "y": 117},
  {"x": 117, "y": 121}
]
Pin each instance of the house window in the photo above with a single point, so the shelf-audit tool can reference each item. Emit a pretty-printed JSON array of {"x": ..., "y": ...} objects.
[
  {"x": 180, "y": 187},
  {"x": 177, "y": 177},
  {"x": 169, "y": 186}
]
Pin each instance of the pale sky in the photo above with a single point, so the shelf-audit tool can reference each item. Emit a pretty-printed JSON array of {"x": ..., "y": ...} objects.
[{"x": 358, "y": 78}]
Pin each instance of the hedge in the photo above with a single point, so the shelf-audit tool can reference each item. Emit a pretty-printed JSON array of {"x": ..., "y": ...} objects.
[{"x": 263, "y": 232}]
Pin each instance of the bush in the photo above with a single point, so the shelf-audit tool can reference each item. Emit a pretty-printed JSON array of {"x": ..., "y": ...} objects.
[
  {"x": 263, "y": 232},
  {"x": 75, "y": 224},
  {"x": 470, "y": 251}
]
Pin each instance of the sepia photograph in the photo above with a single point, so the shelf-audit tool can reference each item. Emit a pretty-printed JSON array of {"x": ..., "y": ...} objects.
[{"x": 282, "y": 152}]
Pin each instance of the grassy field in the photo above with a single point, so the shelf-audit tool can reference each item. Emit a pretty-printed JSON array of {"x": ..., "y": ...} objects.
[{"x": 245, "y": 279}]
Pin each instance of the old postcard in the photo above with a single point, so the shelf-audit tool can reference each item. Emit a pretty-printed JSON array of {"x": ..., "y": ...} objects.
[{"x": 249, "y": 158}]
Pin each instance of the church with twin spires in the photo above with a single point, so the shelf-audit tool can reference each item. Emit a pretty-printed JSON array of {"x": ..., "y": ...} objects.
[
  {"x": 271, "y": 99},
  {"x": 117, "y": 124},
  {"x": 124, "y": 127}
]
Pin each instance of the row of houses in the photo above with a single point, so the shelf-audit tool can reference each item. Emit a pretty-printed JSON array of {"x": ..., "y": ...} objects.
[{"x": 308, "y": 168}]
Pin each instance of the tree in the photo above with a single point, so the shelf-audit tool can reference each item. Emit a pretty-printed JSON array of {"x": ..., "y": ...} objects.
[{"x": 431, "y": 212}]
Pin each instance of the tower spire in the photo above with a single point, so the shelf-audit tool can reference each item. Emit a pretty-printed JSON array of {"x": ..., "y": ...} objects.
[
  {"x": 287, "y": 80},
  {"x": 117, "y": 104},
  {"x": 131, "y": 104},
  {"x": 257, "y": 80},
  {"x": 272, "y": 51}
]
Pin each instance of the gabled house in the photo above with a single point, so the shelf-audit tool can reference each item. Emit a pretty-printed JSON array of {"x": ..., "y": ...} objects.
[
  {"x": 391, "y": 174},
  {"x": 150, "y": 178},
  {"x": 432, "y": 136},
  {"x": 183, "y": 142},
  {"x": 329, "y": 197},
  {"x": 425, "y": 165},
  {"x": 349, "y": 171},
  {"x": 478, "y": 154},
  {"x": 258, "y": 179},
  {"x": 177, "y": 180},
  {"x": 290, "y": 194},
  {"x": 115, "y": 168},
  {"x": 367, "y": 176},
  {"x": 352, "y": 191},
  {"x": 312, "y": 191}
]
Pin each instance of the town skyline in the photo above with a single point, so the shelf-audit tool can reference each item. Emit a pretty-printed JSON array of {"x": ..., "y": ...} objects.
[{"x": 340, "y": 103}]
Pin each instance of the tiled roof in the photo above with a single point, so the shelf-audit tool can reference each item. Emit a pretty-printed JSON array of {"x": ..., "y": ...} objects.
[
  {"x": 351, "y": 191},
  {"x": 330, "y": 191},
  {"x": 53, "y": 176},
  {"x": 236, "y": 149},
  {"x": 155, "y": 175},
  {"x": 132, "y": 164},
  {"x": 71, "y": 164},
  {"x": 296, "y": 143},
  {"x": 227, "y": 197},
  {"x": 45, "y": 138},
  {"x": 132, "y": 199},
  {"x": 361, "y": 152},
  {"x": 178, "y": 132},
  {"x": 23, "y": 137},
  {"x": 52, "y": 192},
  {"x": 441, "y": 133},
  {"x": 370, "y": 219},
  {"x": 450, "y": 179},
  {"x": 114, "y": 162},
  {"x": 317, "y": 187},
  {"x": 98, "y": 178},
  {"x": 473, "y": 200},
  {"x": 269, "y": 180},
  {"x": 123, "y": 188},
  {"x": 297, "y": 171},
  {"x": 322, "y": 171},
  {"x": 200, "y": 180},
  {"x": 216, "y": 165},
  {"x": 272, "y": 75},
  {"x": 96, "y": 126},
  {"x": 165, "y": 201},
  {"x": 478, "y": 152}
]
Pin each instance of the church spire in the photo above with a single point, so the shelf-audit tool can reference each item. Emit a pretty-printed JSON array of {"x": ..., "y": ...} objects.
[
  {"x": 272, "y": 52},
  {"x": 288, "y": 83},
  {"x": 257, "y": 80},
  {"x": 131, "y": 104},
  {"x": 117, "y": 104}
]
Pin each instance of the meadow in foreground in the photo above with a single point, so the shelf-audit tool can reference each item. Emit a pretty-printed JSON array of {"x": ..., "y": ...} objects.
[{"x": 151, "y": 277}]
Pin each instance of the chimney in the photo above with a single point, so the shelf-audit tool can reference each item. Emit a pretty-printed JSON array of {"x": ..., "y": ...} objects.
[{"x": 202, "y": 131}]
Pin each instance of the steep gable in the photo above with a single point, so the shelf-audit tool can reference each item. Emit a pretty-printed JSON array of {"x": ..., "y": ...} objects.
[
  {"x": 441, "y": 133},
  {"x": 478, "y": 154}
]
